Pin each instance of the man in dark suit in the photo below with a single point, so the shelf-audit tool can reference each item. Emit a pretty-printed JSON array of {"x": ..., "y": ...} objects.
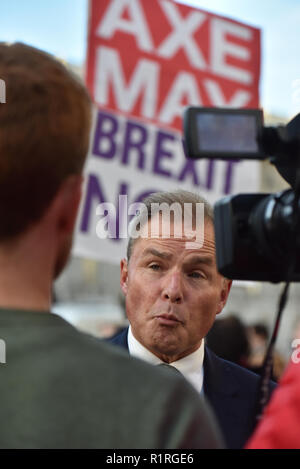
[
  {"x": 173, "y": 292},
  {"x": 60, "y": 388}
]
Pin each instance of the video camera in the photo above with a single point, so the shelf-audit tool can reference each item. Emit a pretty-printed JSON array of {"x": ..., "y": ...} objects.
[{"x": 253, "y": 231}]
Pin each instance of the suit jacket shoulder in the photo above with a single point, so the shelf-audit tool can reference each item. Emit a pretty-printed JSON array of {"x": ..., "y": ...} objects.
[
  {"x": 63, "y": 389},
  {"x": 121, "y": 339},
  {"x": 232, "y": 391}
]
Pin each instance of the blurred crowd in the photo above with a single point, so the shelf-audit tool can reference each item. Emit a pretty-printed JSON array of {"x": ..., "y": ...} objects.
[{"x": 243, "y": 344}]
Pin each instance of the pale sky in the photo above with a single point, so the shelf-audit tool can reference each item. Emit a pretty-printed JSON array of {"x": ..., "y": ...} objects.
[{"x": 60, "y": 27}]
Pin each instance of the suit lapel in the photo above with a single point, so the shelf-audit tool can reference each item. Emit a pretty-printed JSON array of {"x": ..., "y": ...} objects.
[
  {"x": 217, "y": 377},
  {"x": 223, "y": 393}
]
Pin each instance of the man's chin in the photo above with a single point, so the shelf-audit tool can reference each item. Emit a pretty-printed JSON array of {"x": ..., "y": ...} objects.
[{"x": 166, "y": 345}]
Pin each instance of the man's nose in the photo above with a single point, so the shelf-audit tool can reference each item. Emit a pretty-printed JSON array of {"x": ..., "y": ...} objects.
[{"x": 172, "y": 288}]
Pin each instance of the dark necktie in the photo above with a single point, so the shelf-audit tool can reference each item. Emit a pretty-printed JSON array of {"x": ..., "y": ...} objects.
[{"x": 170, "y": 368}]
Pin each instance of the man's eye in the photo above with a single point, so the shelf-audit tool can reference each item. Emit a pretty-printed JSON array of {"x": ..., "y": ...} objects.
[
  {"x": 154, "y": 266},
  {"x": 195, "y": 275}
]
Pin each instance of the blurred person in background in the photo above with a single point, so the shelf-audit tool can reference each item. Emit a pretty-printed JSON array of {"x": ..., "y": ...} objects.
[
  {"x": 228, "y": 339},
  {"x": 60, "y": 388},
  {"x": 173, "y": 293},
  {"x": 258, "y": 336},
  {"x": 258, "y": 339}
]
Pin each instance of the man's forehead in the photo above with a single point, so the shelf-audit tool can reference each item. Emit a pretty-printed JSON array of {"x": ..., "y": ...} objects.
[
  {"x": 167, "y": 247},
  {"x": 177, "y": 243}
]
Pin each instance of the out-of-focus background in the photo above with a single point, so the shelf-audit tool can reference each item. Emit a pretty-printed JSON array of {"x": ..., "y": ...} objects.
[{"x": 87, "y": 293}]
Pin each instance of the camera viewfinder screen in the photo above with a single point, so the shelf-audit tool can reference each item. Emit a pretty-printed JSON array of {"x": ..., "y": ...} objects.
[{"x": 234, "y": 133}]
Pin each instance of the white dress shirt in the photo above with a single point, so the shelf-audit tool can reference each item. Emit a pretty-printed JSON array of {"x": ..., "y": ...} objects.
[{"x": 191, "y": 366}]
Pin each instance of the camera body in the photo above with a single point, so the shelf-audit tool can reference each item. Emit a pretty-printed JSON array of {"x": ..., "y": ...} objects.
[{"x": 253, "y": 231}]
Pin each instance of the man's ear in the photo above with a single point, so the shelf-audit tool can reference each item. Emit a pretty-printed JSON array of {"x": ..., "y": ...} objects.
[
  {"x": 124, "y": 276},
  {"x": 226, "y": 286},
  {"x": 69, "y": 196}
]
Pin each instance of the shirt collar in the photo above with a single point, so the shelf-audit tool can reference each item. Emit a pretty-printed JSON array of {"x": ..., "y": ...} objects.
[{"x": 191, "y": 366}]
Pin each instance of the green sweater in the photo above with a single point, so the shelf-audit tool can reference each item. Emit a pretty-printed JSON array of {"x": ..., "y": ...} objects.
[{"x": 60, "y": 388}]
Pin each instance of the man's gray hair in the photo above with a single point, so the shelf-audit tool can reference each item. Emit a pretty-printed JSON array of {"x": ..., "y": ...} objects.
[{"x": 156, "y": 199}]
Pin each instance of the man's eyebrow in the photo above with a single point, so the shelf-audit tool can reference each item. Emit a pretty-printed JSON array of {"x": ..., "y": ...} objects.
[
  {"x": 154, "y": 252},
  {"x": 195, "y": 260}
]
